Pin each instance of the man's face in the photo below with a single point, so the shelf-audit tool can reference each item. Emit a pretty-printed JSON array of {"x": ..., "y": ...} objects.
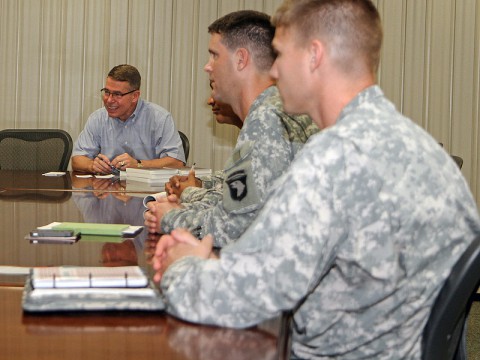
[
  {"x": 290, "y": 70},
  {"x": 123, "y": 107},
  {"x": 220, "y": 69},
  {"x": 223, "y": 112}
]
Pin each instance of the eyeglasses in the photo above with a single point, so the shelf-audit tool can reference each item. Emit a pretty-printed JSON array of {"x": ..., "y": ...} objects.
[{"x": 115, "y": 94}]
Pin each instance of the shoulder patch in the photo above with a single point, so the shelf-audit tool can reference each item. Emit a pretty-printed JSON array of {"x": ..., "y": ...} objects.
[{"x": 237, "y": 185}]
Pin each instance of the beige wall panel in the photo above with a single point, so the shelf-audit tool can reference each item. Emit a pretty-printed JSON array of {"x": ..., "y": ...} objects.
[
  {"x": 415, "y": 64},
  {"x": 9, "y": 14},
  {"x": 271, "y": 5},
  {"x": 52, "y": 54},
  {"x": 159, "y": 79},
  {"x": 441, "y": 24},
  {"x": 184, "y": 29},
  {"x": 96, "y": 50},
  {"x": 29, "y": 65},
  {"x": 462, "y": 121},
  {"x": 474, "y": 161},
  {"x": 74, "y": 105},
  {"x": 390, "y": 74},
  {"x": 201, "y": 130},
  {"x": 117, "y": 46}
]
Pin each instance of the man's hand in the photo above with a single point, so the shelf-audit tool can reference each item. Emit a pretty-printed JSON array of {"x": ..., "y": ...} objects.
[
  {"x": 177, "y": 183},
  {"x": 156, "y": 210},
  {"x": 101, "y": 187},
  {"x": 101, "y": 165},
  {"x": 178, "y": 244},
  {"x": 124, "y": 161}
]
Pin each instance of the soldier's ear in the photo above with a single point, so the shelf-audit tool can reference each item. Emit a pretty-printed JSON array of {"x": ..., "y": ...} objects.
[
  {"x": 242, "y": 58},
  {"x": 316, "y": 52}
]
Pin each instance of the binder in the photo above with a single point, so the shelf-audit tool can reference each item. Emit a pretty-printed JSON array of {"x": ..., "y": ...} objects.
[{"x": 60, "y": 289}]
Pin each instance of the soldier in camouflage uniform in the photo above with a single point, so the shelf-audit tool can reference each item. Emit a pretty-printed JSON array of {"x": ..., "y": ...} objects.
[
  {"x": 266, "y": 145},
  {"x": 360, "y": 234}
]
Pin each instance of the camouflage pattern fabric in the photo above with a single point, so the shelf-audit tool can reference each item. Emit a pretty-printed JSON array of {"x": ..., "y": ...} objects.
[
  {"x": 356, "y": 239},
  {"x": 266, "y": 145},
  {"x": 213, "y": 183}
]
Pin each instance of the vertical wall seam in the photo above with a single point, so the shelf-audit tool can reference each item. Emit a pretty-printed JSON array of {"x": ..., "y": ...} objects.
[
  {"x": 474, "y": 160},
  {"x": 17, "y": 69},
  {"x": 40, "y": 63},
  {"x": 173, "y": 35},
  {"x": 60, "y": 86},
  {"x": 194, "y": 74},
  {"x": 452, "y": 71},
  {"x": 84, "y": 60},
  {"x": 404, "y": 51},
  {"x": 427, "y": 68}
]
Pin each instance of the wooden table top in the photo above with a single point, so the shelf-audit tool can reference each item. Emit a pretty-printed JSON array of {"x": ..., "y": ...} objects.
[
  {"x": 120, "y": 335},
  {"x": 30, "y": 200}
]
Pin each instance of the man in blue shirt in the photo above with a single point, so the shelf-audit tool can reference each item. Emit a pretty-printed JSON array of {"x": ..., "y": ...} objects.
[{"x": 127, "y": 131}]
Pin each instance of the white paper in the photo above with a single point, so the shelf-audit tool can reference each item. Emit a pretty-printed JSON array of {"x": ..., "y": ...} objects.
[
  {"x": 54, "y": 173},
  {"x": 84, "y": 176},
  {"x": 108, "y": 176}
]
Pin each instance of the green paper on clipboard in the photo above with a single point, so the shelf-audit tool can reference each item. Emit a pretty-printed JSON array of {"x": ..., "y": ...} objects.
[{"x": 122, "y": 230}]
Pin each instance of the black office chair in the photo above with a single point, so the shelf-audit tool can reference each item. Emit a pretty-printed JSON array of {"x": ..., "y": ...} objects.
[
  {"x": 443, "y": 336},
  {"x": 35, "y": 149},
  {"x": 458, "y": 160},
  {"x": 185, "y": 143}
]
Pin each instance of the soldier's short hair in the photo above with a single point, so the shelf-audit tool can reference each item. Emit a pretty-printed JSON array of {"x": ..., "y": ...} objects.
[{"x": 247, "y": 29}]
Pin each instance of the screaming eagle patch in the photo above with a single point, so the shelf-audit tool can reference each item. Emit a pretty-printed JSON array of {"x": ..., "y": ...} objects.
[{"x": 237, "y": 184}]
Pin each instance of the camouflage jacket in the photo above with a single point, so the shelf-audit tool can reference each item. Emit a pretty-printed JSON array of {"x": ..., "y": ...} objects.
[
  {"x": 211, "y": 184},
  {"x": 357, "y": 239},
  {"x": 266, "y": 145}
]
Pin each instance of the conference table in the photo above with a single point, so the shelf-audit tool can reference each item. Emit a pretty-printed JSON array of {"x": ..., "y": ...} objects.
[{"x": 28, "y": 200}]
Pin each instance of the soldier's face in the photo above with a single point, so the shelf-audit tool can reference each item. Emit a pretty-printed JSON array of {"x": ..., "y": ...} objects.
[
  {"x": 291, "y": 71},
  {"x": 220, "y": 69}
]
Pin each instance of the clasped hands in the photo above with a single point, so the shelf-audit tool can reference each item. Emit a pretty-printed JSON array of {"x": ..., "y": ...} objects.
[
  {"x": 103, "y": 165},
  {"x": 178, "y": 244},
  {"x": 178, "y": 183}
]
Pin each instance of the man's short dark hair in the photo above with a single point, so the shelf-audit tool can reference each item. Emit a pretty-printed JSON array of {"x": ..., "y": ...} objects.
[
  {"x": 126, "y": 73},
  {"x": 247, "y": 29}
]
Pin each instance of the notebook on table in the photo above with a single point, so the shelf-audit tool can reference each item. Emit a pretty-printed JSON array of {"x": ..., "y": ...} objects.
[{"x": 78, "y": 288}]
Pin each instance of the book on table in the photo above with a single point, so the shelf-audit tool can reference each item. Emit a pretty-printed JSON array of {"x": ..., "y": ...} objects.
[{"x": 77, "y": 288}]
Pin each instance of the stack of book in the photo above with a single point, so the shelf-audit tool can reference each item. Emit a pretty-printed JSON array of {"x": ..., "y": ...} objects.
[
  {"x": 158, "y": 177},
  {"x": 76, "y": 288}
]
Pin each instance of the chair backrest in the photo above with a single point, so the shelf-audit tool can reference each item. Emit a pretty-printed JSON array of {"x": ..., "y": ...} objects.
[
  {"x": 444, "y": 330},
  {"x": 35, "y": 149},
  {"x": 185, "y": 143},
  {"x": 458, "y": 160}
]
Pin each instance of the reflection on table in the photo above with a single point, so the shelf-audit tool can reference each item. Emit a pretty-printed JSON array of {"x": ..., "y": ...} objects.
[
  {"x": 21, "y": 214},
  {"x": 34, "y": 202},
  {"x": 34, "y": 183},
  {"x": 114, "y": 208},
  {"x": 120, "y": 336}
]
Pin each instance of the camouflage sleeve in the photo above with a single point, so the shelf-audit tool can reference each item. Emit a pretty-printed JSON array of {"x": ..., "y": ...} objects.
[
  {"x": 260, "y": 157},
  {"x": 270, "y": 268},
  {"x": 214, "y": 182}
]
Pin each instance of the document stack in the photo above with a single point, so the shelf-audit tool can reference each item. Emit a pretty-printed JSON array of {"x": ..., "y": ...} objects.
[{"x": 158, "y": 177}]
